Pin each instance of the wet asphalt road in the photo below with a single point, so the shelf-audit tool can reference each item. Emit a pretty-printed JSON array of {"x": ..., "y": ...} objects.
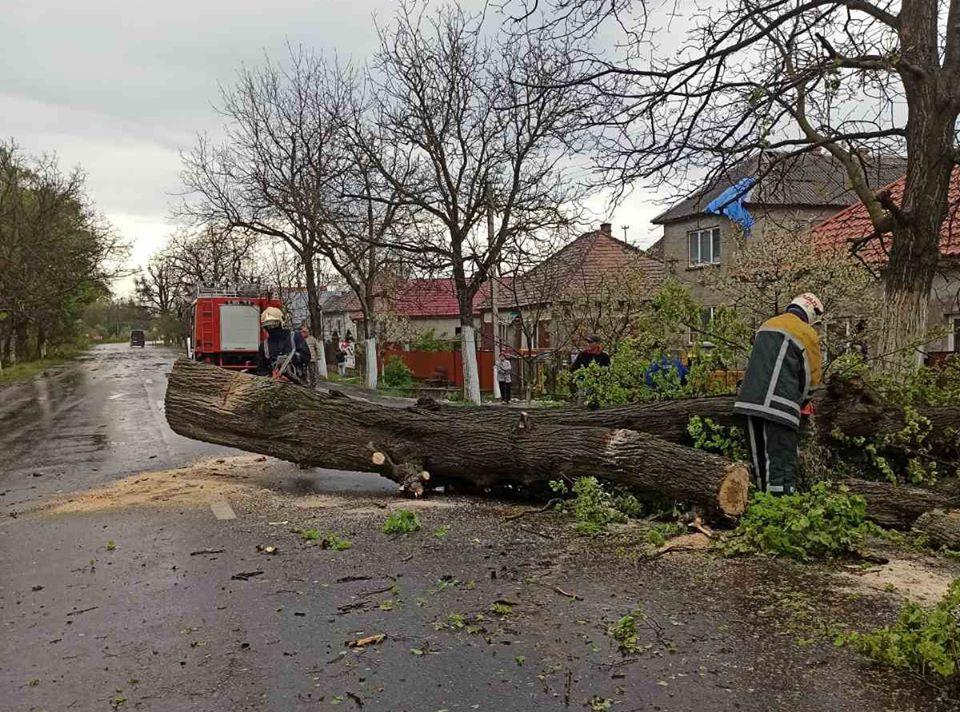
[
  {"x": 168, "y": 608},
  {"x": 89, "y": 423}
]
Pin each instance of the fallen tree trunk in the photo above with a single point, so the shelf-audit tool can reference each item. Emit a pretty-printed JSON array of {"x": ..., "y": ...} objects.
[
  {"x": 846, "y": 407},
  {"x": 940, "y": 527},
  {"x": 291, "y": 423},
  {"x": 666, "y": 419},
  {"x": 896, "y": 506}
]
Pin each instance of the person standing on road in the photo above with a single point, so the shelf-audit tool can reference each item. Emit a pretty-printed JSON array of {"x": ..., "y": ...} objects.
[
  {"x": 341, "y": 361},
  {"x": 504, "y": 376},
  {"x": 785, "y": 366},
  {"x": 592, "y": 353},
  {"x": 280, "y": 342},
  {"x": 313, "y": 370}
]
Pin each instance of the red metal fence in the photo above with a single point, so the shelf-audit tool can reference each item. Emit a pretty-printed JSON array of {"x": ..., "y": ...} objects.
[{"x": 442, "y": 367}]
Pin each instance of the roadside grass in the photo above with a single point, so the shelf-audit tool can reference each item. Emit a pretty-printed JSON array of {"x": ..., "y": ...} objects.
[
  {"x": 335, "y": 377},
  {"x": 26, "y": 370}
]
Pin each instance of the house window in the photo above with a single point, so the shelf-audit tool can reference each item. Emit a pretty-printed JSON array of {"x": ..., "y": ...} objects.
[
  {"x": 953, "y": 338},
  {"x": 704, "y": 246}
]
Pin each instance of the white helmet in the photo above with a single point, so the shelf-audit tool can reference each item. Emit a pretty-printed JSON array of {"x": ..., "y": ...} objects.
[
  {"x": 811, "y": 305},
  {"x": 271, "y": 316}
]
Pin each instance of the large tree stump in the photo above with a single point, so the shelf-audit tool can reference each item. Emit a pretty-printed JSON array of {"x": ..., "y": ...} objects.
[{"x": 291, "y": 423}]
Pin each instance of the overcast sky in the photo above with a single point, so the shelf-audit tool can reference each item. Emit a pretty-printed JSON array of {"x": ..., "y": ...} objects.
[{"x": 120, "y": 86}]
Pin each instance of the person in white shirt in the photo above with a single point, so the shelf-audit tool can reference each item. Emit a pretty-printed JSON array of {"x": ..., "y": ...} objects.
[{"x": 504, "y": 376}]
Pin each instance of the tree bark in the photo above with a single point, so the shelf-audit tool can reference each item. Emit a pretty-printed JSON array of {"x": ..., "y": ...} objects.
[
  {"x": 896, "y": 506},
  {"x": 468, "y": 356},
  {"x": 313, "y": 300},
  {"x": 291, "y": 423},
  {"x": 844, "y": 407},
  {"x": 940, "y": 527},
  {"x": 932, "y": 110},
  {"x": 370, "y": 355}
]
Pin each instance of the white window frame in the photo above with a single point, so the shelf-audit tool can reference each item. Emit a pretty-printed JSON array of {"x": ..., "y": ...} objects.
[
  {"x": 952, "y": 344},
  {"x": 714, "y": 240}
]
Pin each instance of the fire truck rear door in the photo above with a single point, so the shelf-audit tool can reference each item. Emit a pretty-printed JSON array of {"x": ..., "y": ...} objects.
[{"x": 239, "y": 327}]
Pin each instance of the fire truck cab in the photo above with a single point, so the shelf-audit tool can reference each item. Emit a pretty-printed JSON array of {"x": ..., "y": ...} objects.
[{"x": 226, "y": 326}]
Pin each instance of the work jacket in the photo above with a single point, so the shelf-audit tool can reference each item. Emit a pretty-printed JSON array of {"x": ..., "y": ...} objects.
[
  {"x": 273, "y": 351},
  {"x": 784, "y": 366}
]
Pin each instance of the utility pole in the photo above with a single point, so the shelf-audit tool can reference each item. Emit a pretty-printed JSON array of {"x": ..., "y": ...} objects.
[
  {"x": 624, "y": 228},
  {"x": 494, "y": 315}
]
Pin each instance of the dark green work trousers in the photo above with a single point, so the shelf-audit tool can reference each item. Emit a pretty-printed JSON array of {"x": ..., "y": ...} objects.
[{"x": 773, "y": 449}]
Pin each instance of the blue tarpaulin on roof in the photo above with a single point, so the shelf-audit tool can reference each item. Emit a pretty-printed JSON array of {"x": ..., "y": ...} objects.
[{"x": 730, "y": 203}]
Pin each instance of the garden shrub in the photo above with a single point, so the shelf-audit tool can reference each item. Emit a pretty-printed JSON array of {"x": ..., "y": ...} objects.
[
  {"x": 428, "y": 340},
  {"x": 396, "y": 374}
]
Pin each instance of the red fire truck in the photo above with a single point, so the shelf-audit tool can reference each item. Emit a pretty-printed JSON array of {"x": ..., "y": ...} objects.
[{"x": 226, "y": 326}]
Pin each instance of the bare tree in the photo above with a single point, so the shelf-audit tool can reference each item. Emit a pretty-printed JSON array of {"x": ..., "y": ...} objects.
[
  {"x": 855, "y": 77},
  {"x": 289, "y": 170},
  {"x": 444, "y": 96},
  {"x": 207, "y": 258}
]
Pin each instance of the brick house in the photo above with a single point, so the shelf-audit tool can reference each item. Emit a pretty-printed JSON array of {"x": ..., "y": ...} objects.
[
  {"x": 592, "y": 284},
  {"x": 852, "y": 225},
  {"x": 427, "y": 303},
  {"x": 579, "y": 272},
  {"x": 790, "y": 195}
]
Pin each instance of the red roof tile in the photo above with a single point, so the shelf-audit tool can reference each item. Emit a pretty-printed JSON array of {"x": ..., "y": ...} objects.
[
  {"x": 852, "y": 224},
  {"x": 425, "y": 298}
]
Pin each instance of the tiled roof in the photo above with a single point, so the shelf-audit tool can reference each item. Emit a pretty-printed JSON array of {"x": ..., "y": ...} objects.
[
  {"x": 343, "y": 300},
  {"x": 425, "y": 298},
  {"x": 583, "y": 266},
  {"x": 413, "y": 298},
  {"x": 809, "y": 179},
  {"x": 852, "y": 224},
  {"x": 593, "y": 258},
  {"x": 655, "y": 251}
]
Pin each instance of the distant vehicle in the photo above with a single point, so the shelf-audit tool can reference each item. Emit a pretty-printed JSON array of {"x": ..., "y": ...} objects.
[
  {"x": 226, "y": 326},
  {"x": 137, "y": 338}
]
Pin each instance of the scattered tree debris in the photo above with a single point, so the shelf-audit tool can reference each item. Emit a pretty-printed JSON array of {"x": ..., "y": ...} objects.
[{"x": 367, "y": 640}]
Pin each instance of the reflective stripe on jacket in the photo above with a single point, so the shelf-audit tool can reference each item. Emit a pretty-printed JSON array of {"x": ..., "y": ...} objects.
[{"x": 784, "y": 365}]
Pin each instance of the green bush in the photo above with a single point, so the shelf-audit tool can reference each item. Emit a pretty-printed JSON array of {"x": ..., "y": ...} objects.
[
  {"x": 402, "y": 521},
  {"x": 660, "y": 331},
  {"x": 428, "y": 340},
  {"x": 712, "y": 437},
  {"x": 822, "y": 523},
  {"x": 922, "y": 640},
  {"x": 396, "y": 374}
]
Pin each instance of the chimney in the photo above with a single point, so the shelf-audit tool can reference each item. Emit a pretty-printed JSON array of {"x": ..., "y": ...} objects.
[{"x": 606, "y": 228}]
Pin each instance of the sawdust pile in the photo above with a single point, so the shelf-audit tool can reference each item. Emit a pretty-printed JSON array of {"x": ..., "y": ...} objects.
[
  {"x": 923, "y": 581},
  {"x": 197, "y": 484}
]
